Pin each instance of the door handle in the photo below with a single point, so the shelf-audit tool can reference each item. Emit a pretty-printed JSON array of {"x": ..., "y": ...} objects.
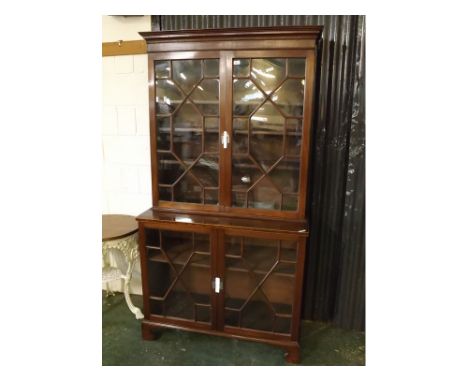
[{"x": 225, "y": 140}]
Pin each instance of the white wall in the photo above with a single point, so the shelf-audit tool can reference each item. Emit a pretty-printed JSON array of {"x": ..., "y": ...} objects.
[
  {"x": 126, "y": 178},
  {"x": 116, "y": 28}
]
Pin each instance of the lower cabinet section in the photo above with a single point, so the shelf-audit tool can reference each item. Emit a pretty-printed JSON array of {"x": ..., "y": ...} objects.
[{"x": 223, "y": 280}]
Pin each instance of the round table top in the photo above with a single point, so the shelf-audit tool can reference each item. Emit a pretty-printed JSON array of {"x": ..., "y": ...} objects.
[{"x": 118, "y": 226}]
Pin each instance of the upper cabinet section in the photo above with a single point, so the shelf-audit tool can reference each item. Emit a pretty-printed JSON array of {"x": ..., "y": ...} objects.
[{"x": 231, "y": 119}]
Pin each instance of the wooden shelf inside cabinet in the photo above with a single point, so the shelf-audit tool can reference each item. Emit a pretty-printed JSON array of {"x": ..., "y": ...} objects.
[{"x": 223, "y": 246}]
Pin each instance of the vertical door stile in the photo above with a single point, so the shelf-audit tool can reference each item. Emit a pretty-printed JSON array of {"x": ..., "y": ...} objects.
[
  {"x": 225, "y": 77},
  {"x": 220, "y": 273},
  {"x": 214, "y": 270}
]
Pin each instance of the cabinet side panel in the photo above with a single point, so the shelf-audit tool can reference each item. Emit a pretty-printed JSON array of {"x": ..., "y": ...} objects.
[
  {"x": 144, "y": 269},
  {"x": 298, "y": 292}
]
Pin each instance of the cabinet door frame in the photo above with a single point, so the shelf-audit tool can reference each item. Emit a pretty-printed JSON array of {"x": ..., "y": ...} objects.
[
  {"x": 164, "y": 226},
  {"x": 179, "y": 55},
  {"x": 298, "y": 282},
  {"x": 307, "y": 128},
  {"x": 224, "y": 206}
]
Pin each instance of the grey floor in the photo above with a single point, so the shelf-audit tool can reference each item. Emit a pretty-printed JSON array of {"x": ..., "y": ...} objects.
[{"x": 321, "y": 344}]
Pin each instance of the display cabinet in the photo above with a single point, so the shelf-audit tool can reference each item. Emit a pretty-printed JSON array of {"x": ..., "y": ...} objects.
[{"x": 223, "y": 246}]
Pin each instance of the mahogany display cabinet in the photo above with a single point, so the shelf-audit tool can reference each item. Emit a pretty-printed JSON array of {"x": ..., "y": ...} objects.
[{"x": 224, "y": 244}]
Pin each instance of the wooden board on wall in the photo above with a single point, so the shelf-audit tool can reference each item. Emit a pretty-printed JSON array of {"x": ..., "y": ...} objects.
[{"x": 119, "y": 48}]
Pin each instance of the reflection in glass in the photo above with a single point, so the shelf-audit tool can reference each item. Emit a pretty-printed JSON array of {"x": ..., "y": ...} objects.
[
  {"x": 206, "y": 170},
  {"x": 211, "y": 68},
  {"x": 262, "y": 303},
  {"x": 211, "y": 135},
  {"x": 239, "y": 199},
  {"x": 168, "y": 96},
  {"x": 240, "y": 67},
  {"x": 211, "y": 196},
  {"x": 188, "y": 190},
  {"x": 186, "y": 73},
  {"x": 246, "y": 97},
  {"x": 290, "y": 202},
  {"x": 267, "y": 119},
  {"x": 290, "y": 97},
  {"x": 240, "y": 135},
  {"x": 265, "y": 196},
  {"x": 164, "y": 133},
  {"x": 181, "y": 286},
  {"x": 162, "y": 69},
  {"x": 169, "y": 168},
  {"x": 296, "y": 67},
  {"x": 187, "y": 136},
  {"x": 244, "y": 173},
  {"x": 268, "y": 72},
  {"x": 286, "y": 175},
  {"x": 206, "y": 97}
]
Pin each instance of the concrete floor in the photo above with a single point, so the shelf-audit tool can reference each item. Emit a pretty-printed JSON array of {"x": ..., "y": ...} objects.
[{"x": 321, "y": 344}]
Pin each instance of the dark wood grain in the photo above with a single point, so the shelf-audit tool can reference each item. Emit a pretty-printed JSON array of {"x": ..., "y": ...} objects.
[{"x": 223, "y": 222}]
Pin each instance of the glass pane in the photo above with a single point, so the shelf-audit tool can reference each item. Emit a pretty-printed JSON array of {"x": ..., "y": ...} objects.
[
  {"x": 168, "y": 96},
  {"x": 290, "y": 97},
  {"x": 211, "y": 68},
  {"x": 211, "y": 196},
  {"x": 244, "y": 173},
  {"x": 165, "y": 193},
  {"x": 246, "y": 97},
  {"x": 267, "y": 129},
  {"x": 293, "y": 137},
  {"x": 240, "y": 135},
  {"x": 187, "y": 73},
  {"x": 268, "y": 72},
  {"x": 267, "y": 120},
  {"x": 162, "y": 69},
  {"x": 264, "y": 195},
  {"x": 270, "y": 141},
  {"x": 286, "y": 175},
  {"x": 191, "y": 135},
  {"x": 187, "y": 137},
  {"x": 251, "y": 300},
  {"x": 211, "y": 135},
  {"x": 206, "y": 97},
  {"x": 239, "y": 199},
  {"x": 188, "y": 190},
  {"x": 180, "y": 277},
  {"x": 206, "y": 170},
  {"x": 170, "y": 169},
  {"x": 164, "y": 133},
  {"x": 296, "y": 67},
  {"x": 241, "y": 67},
  {"x": 290, "y": 202},
  {"x": 288, "y": 251}
]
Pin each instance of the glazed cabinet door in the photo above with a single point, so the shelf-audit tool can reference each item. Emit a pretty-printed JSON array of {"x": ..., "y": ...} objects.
[
  {"x": 186, "y": 111},
  {"x": 270, "y": 128},
  {"x": 260, "y": 275},
  {"x": 177, "y": 271}
]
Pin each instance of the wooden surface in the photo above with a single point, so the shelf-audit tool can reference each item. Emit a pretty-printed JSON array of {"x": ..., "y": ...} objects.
[
  {"x": 223, "y": 221},
  {"x": 118, "y": 226},
  {"x": 299, "y": 228},
  {"x": 226, "y": 119},
  {"x": 119, "y": 48}
]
